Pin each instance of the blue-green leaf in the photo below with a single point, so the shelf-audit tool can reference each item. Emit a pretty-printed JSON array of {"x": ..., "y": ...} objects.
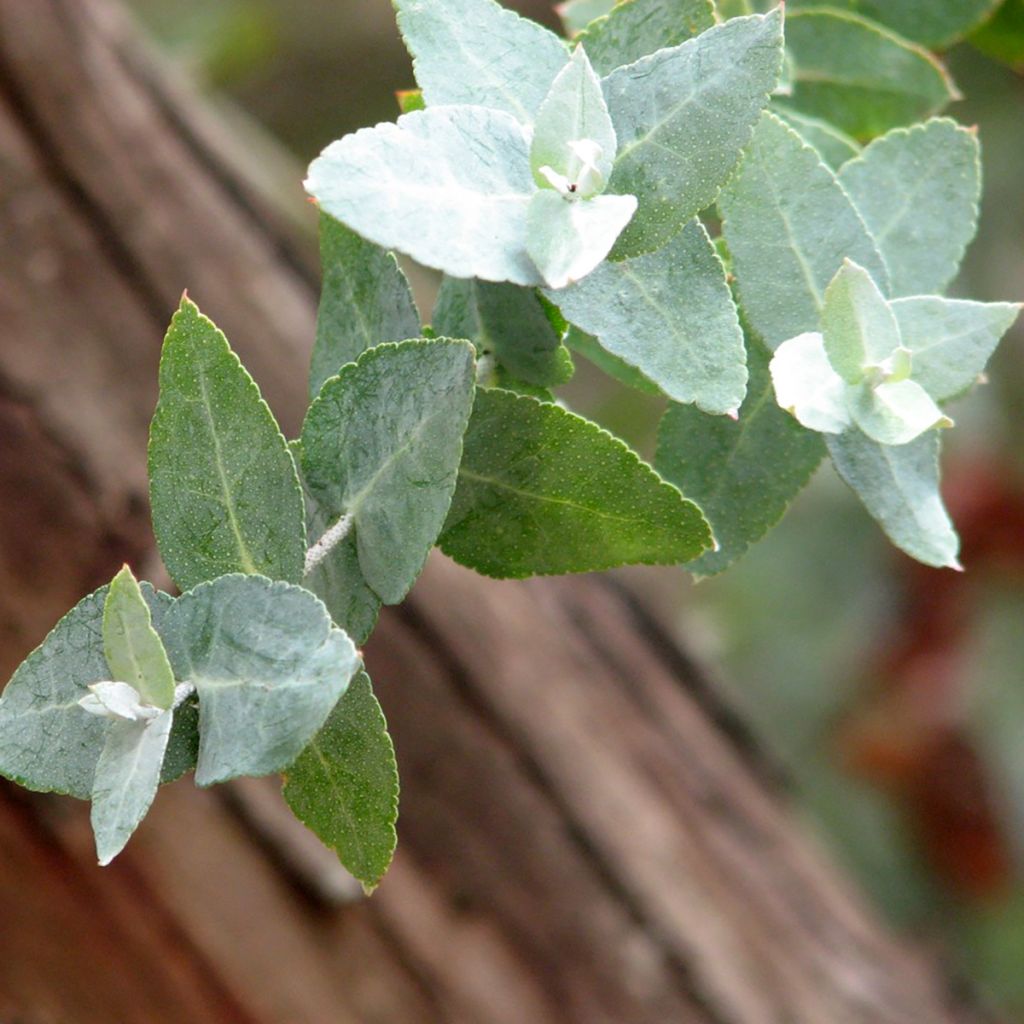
[
  {"x": 682, "y": 116},
  {"x": 222, "y": 485},
  {"x": 365, "y": 300},
  {"x": 542, "y": 492},
  {"x": 899, "y": 486},
  {"x": 506, "y": 322},
  {"x": 381, "y": 445},
  {"x": 576, "y": 15},
  {"x": 268, "y": 666},
  {"x": 478, "y": 52},
  {"x": 833, "y": 146},
  {"x": 669, "y": 314},
  {"x": 449, "y": 186},
  {"x": 344, "y": 785},
  {"x": 635, "y": 28},
  {"x": 950, "y": 340},
  {"x": 788, "y": 242},
  {"x": 743, "y": 473},
  {"x": 917, "y": 190}
]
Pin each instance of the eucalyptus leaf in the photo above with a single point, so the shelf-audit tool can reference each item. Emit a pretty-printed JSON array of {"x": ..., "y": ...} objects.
[
  {"x": 682, "y": 115},
  {"x": 382, "y": 445},
  {"x": 934, "y": 23},
  {"x": 635, "y": 28},
  {"x": 899, "y": 486},
  {"x": 365, "y": 300},
  {"x": 669, "y": 314},
  {"x": 573, "y": 111},
  {"x": 344, "y": 785},
  {"x": 47, "y": 742},
  {"x": 808, "y": 387},
  {"x": 127, "y": 778},
  {"x": 917, "y": 190},
  {"x": 1002, "y": 36},
  {"x": 743, "y": 473},
  {"x": 858, "y": 326},
  {"x": 568, "y": 238},
  {"x": 268, "y": 666},
  {"x": 895, "y": 412},
  {"x": 614, "y": 366},
  {"x": 542, "y": 491},
  {"x": 833, "y": 146},
  {"x": 478, "y": 52},
  {"x": 337, "y": 579},
  {"x": 950, "y": 340},
  {"x": 223, "y": 489},
  {"x": 133, "y": 649},
  {"x": 788, "y": 242},
  {"x": 859, "y": 76},
  {"x": 449, "y": 186},
  {"x": 507, "y": 322}
]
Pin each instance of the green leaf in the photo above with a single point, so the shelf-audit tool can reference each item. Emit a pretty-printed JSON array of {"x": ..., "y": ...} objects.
[
  {"x": 576, "y": 15},
  {"x": 344, "y": 785},
  {"x": 859, "y": 76},
  {"x": 365, "y": 300},
  {"x": 1002, "y": 36},
  {"x": 744, "y": 473},
  {"x": 410, "y": 100},
  {"x": 669, "y": 314},
  {"x": 477, "y": 52},
  {"x": 382, "y": 444},
  {"x": 47, "y": 742},
  {"x": 568, "y": 238},
  {"x": 808, "y": 387},
  {"x": 542, "y": 491},
  {"x": 786, "y": 242},
  {"x": 858, "y": 327},
  {"x": 133, "y": 649},
  {"x": 917, "y": 190},
  {"x": 950, "y": 340},
  {"x": 127, "y": 778},
  {"x": 573, "y": 111},
  {"x": 507, "y": 322},
  {"x": 222, "y": 485},
  {"x": 934, "y": 23},
  {"x": 682, "y": 116},
  {"x": 899, "y": 486},
  {"x": 337, "y": 579},
  {"x": 449, "y": 186},
  {"x": 834, "y": 148},
  {"x": 618, "y": 369},
  {"x": 268, "y": 667},
  {"x": 635, "y": 28},
  {"x": 895, "y": 412}
]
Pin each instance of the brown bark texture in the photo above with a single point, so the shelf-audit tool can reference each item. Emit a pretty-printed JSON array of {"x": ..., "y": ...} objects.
[{"x": 588, "y": 833}]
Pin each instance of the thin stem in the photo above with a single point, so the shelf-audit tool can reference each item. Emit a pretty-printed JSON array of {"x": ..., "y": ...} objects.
[{"x": 332, "y": 536}]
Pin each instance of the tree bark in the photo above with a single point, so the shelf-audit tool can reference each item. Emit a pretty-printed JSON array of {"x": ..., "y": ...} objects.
[{"x": 588, "y": 832}]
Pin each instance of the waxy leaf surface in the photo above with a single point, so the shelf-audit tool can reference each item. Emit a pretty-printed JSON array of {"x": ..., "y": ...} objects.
[
  {"x": 789, "y": 225},
  {"x": 833, "y": 146},
  {"x": 449, "y": 186},
  {"x": 223, "y": 487},
  {"x": 899, "y": 486},
  {"x": 365, "y": 300},
  {"x": 382, "y": 444},
  {"x": 859, "y": 76},
  {"x": 682, "y": 116},
  {"x": 917, "y": 190},
  {"x": 478, "y": 52},
  {"x": 344, "y": 785},
  {"x": 670, "y": 315},
  {"x": 134, "y": 651},
  {"x": 268, "y": 666},
  {"x": 542, "y": 491},
  {"x": 635, "y": 28},
  {"x": 744, "y": 473},
  {"x": 507, "y": 322}
]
